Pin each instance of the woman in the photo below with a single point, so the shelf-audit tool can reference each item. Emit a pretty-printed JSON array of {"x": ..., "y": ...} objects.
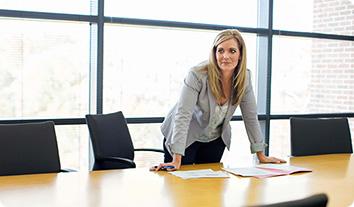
[{"x": 197, "y": 129}]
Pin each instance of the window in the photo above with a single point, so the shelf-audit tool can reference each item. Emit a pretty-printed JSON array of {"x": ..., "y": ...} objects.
[
  {"x": 279, "y": 138},
  {"x": 62, "y": 6},
  {"x": 323, "y": 16},
  {"x": 312, "y": 75},
  {"x": 43, "y": 68},
  {"x": 231, "y": 12},
  {"x": 73, "y": 144},
  {"x": 145, "y": 67}
]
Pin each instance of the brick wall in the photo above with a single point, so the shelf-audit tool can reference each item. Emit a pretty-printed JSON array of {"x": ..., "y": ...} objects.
[{"x": 332, "y": 73}]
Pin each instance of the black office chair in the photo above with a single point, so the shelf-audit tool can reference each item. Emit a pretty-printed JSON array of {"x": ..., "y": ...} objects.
[
  {"x": 318, "y": 200},
  {"x": 28, "y": 148},
  {"x": 314, "y": 136},
  {"x": 111, "y": 141}
]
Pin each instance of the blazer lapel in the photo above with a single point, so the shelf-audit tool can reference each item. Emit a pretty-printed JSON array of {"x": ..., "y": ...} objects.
[{"x": 212, "y": 103}]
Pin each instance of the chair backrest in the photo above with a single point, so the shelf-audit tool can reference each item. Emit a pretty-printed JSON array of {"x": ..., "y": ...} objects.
[
  {"x": 110, "y": 135},
  {"x": 28, "y": 148},
  {"x": 318, "y": 200},
  {"x": 314, "y": 136}
]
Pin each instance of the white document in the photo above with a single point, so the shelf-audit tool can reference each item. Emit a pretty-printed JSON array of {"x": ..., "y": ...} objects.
[
  {"x": 287, "y": 168},
  {"x": 207, "y": 173},
  {"x": 267, "y": 170},
  {"x": 248, "y": 171}
]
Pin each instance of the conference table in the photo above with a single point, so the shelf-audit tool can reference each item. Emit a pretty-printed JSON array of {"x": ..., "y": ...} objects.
[{"x": 331, "y": 174}]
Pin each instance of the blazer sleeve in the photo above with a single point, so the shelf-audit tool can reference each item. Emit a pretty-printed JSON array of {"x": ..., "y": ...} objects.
[
  {"x": 248, "y": 108},
  {"x": 186, "y": 103}
]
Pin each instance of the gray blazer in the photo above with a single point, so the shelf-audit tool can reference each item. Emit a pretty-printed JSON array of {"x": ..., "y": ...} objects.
[{"x": 189, "y": 118}]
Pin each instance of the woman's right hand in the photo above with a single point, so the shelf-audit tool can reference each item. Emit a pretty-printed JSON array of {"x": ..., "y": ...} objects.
[{"x": 174, "y": 165}]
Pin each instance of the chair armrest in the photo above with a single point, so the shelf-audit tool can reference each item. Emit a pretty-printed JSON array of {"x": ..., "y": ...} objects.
[
  {"x": 149, "y": 149},
  {"x": 131, "y": 163},
  {"x": 67, "y": 170}
]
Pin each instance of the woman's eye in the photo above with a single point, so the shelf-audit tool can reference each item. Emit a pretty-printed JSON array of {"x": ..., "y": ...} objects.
[
  {"x": 233, "y": 51},
  {"x": 220, "y": 50}
]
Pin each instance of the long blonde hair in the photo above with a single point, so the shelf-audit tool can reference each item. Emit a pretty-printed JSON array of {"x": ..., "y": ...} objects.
[{"x": 239, "y": 76}]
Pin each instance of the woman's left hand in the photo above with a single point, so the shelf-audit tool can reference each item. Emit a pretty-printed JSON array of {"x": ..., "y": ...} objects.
[{"x": 265, "y": 159}]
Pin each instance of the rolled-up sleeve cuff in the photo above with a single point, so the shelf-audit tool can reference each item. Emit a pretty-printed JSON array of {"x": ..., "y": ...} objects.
[
  {"x": 257, "y": 147},
  {"x": 177, "y": 149}
]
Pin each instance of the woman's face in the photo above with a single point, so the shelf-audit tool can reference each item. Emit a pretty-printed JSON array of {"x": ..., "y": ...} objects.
[{"x": 227, "y": 55}]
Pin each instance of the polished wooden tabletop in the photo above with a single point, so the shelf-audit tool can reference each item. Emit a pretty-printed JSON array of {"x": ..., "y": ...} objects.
[{"x": 332, "y": 174}]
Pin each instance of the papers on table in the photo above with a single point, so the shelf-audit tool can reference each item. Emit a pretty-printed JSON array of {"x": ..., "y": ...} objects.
[
  {"x": 266, "y": 170},
  {"x": 284, "y": 168},
  {"x": 206, "y": 173},
  {"x": 258, "y": 171},
  {"x": 249, "y": 172}
]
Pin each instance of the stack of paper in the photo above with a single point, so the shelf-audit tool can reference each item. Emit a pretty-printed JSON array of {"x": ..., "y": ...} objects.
[
  {"x": 207, "y": 173},
  {"x": 266, "y": 170}
]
